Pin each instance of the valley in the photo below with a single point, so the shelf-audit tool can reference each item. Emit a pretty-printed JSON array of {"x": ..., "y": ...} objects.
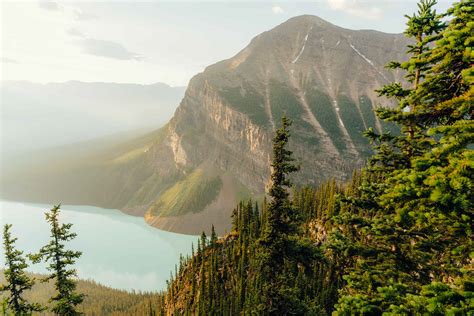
[
  {"x": 320, "y": 170},
  {"x": 217, "y": 146}
]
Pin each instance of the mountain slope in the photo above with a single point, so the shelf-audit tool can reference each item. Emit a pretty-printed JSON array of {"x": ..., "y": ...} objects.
[
  {"x": 321, "y": 75},
  {"x": 99, "y": 299},
  {"x": 216, "y": 148},
  {"x": 37, "y": 115}
]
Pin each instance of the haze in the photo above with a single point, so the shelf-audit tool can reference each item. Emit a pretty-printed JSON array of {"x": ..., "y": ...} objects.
[{"x": 133, "y": 42}]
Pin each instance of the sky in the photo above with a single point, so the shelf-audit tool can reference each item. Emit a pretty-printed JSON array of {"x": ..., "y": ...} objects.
[{"x": 158, "y": 41}]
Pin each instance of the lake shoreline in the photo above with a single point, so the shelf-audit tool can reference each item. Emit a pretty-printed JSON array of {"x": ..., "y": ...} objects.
[{"x": 119, "y": 251}]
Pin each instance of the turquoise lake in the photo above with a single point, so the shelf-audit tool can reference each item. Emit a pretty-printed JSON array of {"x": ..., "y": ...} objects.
[{"x": 118, "y": 250}]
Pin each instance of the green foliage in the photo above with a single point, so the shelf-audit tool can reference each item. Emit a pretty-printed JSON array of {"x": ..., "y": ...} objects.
[
  {"x": 354, "y": 123},
  {"x": 278, "y": 250},
  {"x": 58, "y": 291},
  {"x": 367, "y": 111},
  {"x": 396, "y": 240},
  {"x": 94, "y": 172},
  {"x": 285, "y": 103},
  {"x": 98, "y": 299},
  {"x": 193, "y": 193},
  {"x": 409, "y": 226},
  {"x": 439, "y": 299},
  {"x": 59, "y": 258},
  {"x": 17, "y": 281},
  {"x": 322, "y": 108},
  {"x": 247, "y": 100},
  {"x": 269, "y": 251}
]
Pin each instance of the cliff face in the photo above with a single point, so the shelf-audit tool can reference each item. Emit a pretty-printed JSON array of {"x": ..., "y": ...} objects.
[
  {"x": 216, "y": 149},
  {"x": 322, "y": 76}
]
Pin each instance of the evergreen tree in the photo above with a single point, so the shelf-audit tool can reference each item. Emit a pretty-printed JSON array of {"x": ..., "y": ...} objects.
[
  {"x": 59, "y": 259},
  {"x": 17, "y": 280},
  {"x": 281, "y": 252},
  {"x": 413, "y": 212},
  {"x": 394, "y": 152},
  {"x": 213, "y": 237},
  {"x": 273, "y": 243},
  {"x": 397, "y": 238}
]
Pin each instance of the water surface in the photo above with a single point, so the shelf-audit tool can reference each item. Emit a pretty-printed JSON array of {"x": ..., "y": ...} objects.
[{"x": 119, "y": 250}]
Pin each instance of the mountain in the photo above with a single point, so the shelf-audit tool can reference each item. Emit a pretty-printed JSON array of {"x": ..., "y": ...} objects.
[
  {"x": 217, "y": 147},
  {"x": 37, "y": 115}
]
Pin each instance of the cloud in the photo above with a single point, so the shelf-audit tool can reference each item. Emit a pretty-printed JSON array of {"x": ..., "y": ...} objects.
[
  {"x": 76, "y": 13},
  {"x": 277, "y": 9},
  {"x": 49, "y": 5},
  {"x": 74, "y": 32},
  {"x": 102, "y": 48},
  {"x": 83, "y": 16},
  {"x": 108, "y": 49},
  {"x": 9, "y": 60},
  {"x": 356, "y": 8}
]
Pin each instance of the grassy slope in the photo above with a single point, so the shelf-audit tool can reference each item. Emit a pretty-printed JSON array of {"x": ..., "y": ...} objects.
[
  {"x": 97, "y": 172},
  {"x": 191, "y": 194},
  {"x": 246, "y": 100},
  {"x": 354, "y": 124},
  {"x": 324, "y": 111}
]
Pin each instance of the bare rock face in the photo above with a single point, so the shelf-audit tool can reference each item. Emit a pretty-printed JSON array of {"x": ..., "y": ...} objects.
[
  {"x": 322, "y": 76},
  {"x": 216, "y": 150}
]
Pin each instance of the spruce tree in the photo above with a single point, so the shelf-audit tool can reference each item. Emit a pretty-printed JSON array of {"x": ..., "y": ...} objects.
[
  {"x": 17, "y": 280},
  {"x": 408, "y": 228},
  {"x": 281, "y": 250},
  {"x": 395, "y": 151},
  {"x": 397, "y": 237},
  {"x": 213, "y": 237},
  {"x": 59, "y": 259},
  {"x": 274, "y": 238}
]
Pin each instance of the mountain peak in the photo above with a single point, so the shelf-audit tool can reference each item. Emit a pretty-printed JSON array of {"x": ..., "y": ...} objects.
[
  {"x": 304, "y": 20},
  {"x": 305, "y": 46},
  {"x": 216, "y": 149}
]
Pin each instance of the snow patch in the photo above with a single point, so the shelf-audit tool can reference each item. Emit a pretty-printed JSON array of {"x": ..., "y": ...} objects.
[
  {"x": 336, "y": 106},
  {"x": 368, "y": 61},
  {"x": 302, "y": 48}
]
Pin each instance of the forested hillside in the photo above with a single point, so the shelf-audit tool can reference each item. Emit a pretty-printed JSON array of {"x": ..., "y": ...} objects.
[
  {"x": 99, "y": 299},
  {"x": 396, "y": 240}
]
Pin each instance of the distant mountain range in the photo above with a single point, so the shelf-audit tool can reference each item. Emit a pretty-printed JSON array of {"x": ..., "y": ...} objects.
[
  {"x": 46, "y": 115},
  {"x": 217, "y": 147}
]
